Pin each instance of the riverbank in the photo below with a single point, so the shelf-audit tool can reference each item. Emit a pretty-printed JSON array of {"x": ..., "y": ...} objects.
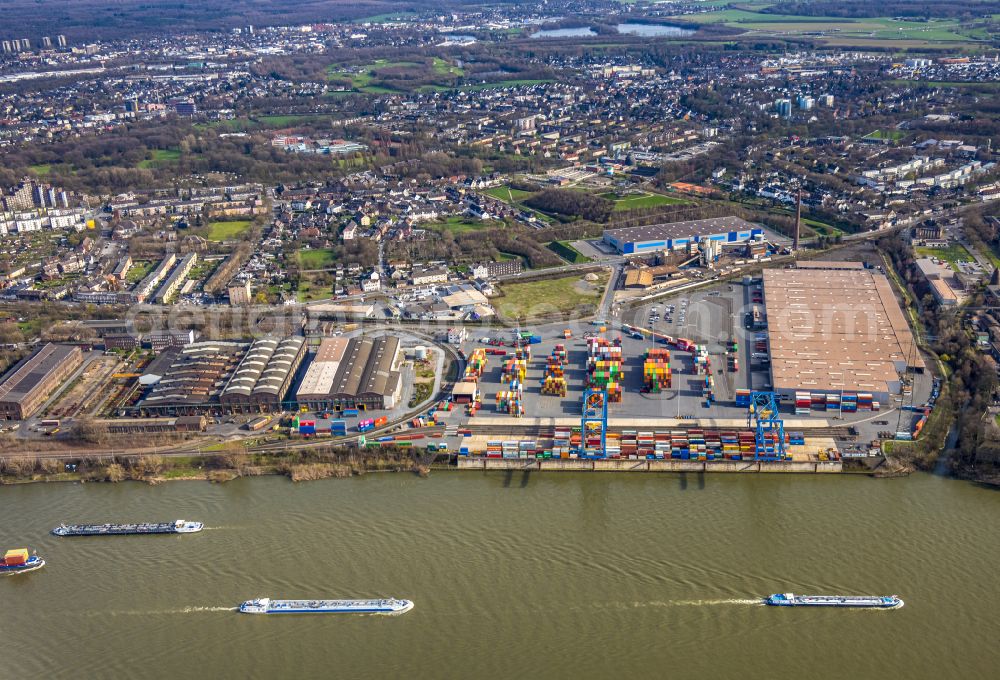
[{"x": 301, "y": 465}]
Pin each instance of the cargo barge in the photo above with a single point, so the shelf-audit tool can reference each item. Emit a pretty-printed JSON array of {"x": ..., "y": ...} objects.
[
  {"x": 265, "y": 605},
  {"x": 859, "y": 601},
  {"x": 18, "y": 561},
  {"x": 176, "y": 527}
]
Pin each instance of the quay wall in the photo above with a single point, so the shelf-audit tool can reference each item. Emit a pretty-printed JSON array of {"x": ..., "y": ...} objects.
[{"x": 617, "y": 465}]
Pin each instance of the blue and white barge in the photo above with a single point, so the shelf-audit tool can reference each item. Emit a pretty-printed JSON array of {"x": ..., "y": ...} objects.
[
  {"x": 852, "y": 601},
  {"x": 265, "y": 605}
]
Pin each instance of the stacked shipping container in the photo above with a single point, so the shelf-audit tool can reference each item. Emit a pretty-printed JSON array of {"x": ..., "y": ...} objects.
[
  {"x": 554, "y": 382},
  {"x": 604, "y": 367},
  {"x": 656, "y": 372}
]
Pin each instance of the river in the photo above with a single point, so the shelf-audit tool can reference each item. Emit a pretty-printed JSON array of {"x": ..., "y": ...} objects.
[{"x": 552, "y": 575}]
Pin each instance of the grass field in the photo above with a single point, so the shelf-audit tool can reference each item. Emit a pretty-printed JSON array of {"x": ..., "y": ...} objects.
[
  {"x": 308, "y": 292},
  {"x": 459, "y": 224},
  {"x": 821, "y": 228},
  {"x": 160, "y": 157},
  {"x": 226, "y": 231},
  {"x": 567, "y": 252},
  {"x": 635, "y": 202},
  {"x": 953, "y": 254},
  {"x": 505, "y": 193},
  {"x": 361, "y": 80},
  {"x": 139, "y": 271},
  {"x": 893, "y": 135},
  {"x": 315, "y": 259},
  {"x": 285, "y": 121},
  {"x": 524, "y": 300},
  {"x": 843, "y": 31},
  {"x": 42, "y": 169},
  {"x": 443, "y": 68}
]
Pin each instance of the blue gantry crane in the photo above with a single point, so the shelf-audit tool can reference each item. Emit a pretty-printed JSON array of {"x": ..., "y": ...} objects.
[
  {"x": 769, "y": 430},
  {"x": 594, "y": 424}
]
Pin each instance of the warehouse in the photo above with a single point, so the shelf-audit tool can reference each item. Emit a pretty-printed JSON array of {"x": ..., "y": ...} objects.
[
  {"x": 836, "y": 328},
  {"x": 263, "y": 376},
  {"x": 26, "y": 386},
  {"x": 677, "y": 235},
  {"x": 188, "y": 380},
  {"x": 355, "y": 373}
]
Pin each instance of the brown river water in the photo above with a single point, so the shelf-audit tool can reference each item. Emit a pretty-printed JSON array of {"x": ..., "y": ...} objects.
[{"x": 547, "y": 575}]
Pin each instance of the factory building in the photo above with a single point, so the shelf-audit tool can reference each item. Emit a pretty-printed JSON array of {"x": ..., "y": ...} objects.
[
  {"x": 355, "y": 373},
  {"x": 188, "y": 380},
  {"x": 677, "y": 235},
  {"x": 263, "y": 376},
  {"x": 834, "y": 328},
  {"x": 26, "y": 387}
]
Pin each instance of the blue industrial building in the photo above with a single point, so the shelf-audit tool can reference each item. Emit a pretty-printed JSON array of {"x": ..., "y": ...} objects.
[{"x": 676, "y": 235}]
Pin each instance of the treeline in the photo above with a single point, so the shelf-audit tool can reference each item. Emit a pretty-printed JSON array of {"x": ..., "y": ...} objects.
[
  {"x": 484, "y": 245},
  {"x": 572, "y": 204},
  {"x": 864, "y": 9},
  {"x": 972, "y": 382}
]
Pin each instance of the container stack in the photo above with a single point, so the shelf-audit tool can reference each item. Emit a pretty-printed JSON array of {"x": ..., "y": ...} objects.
[
  {"x": 865, "y": 401},
  {"x": 656, "y": 372},
  {"x": 817, "y": 401},
  {"x": 338, "y": 428},
  {"x": 510, "y": 449},
  {"x": 803, "y": 402},
  {"x": 514, "y": 370},
  {"x": 475, "y": 365},
  {"x": 646, "y": 443},
  {"x": 849, "y": 402},
  {"x": 796, "y": 439},
  {"x": 760, "y": 343},
  {"x": 702, "y": 362},
  {"x": 730, "y": 445},
  {"x": 604, "y": 367},
  {"x": 523, "y": 352},
  {"x": 833, "y": 402},
  {"x": 307, "y": 428},
  {"x": 554, "y": 382},
  {"x": 628, "y": 444},
  {"x": 708, "y": 390},
  {"x": 494, "y": 449},
  {"x": 679, "y": 446},
  {"x": 743, "y": 398},
  {"x": 511, "y": 401},
  {"x": 697, "y": 446},
  {"x": 561, "y": 442},
  {"x": 475, "y": 404},
  {"x": 748, "y": 444}
]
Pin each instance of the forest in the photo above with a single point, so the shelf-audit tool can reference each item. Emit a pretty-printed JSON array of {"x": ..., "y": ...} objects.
[{"x": 112, "y": 19}]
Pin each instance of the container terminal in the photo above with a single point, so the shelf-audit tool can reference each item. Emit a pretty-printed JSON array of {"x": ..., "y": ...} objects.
[
  {"x": 822, "y": 358},
  {"x": 794, "y": 369}
]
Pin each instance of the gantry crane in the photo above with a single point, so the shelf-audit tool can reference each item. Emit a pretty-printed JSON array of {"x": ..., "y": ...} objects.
[
  {"x": 594, "y": 424},
  {"x": 769, "y": 430}
]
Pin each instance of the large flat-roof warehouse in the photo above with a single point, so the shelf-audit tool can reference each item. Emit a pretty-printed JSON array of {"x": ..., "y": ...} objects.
[
  {"x": 351, "y": 373},
  {"x": 833, "y": 328},
  {"x": 26, "y": 386},
  {"x": 654, "y": 237}
]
